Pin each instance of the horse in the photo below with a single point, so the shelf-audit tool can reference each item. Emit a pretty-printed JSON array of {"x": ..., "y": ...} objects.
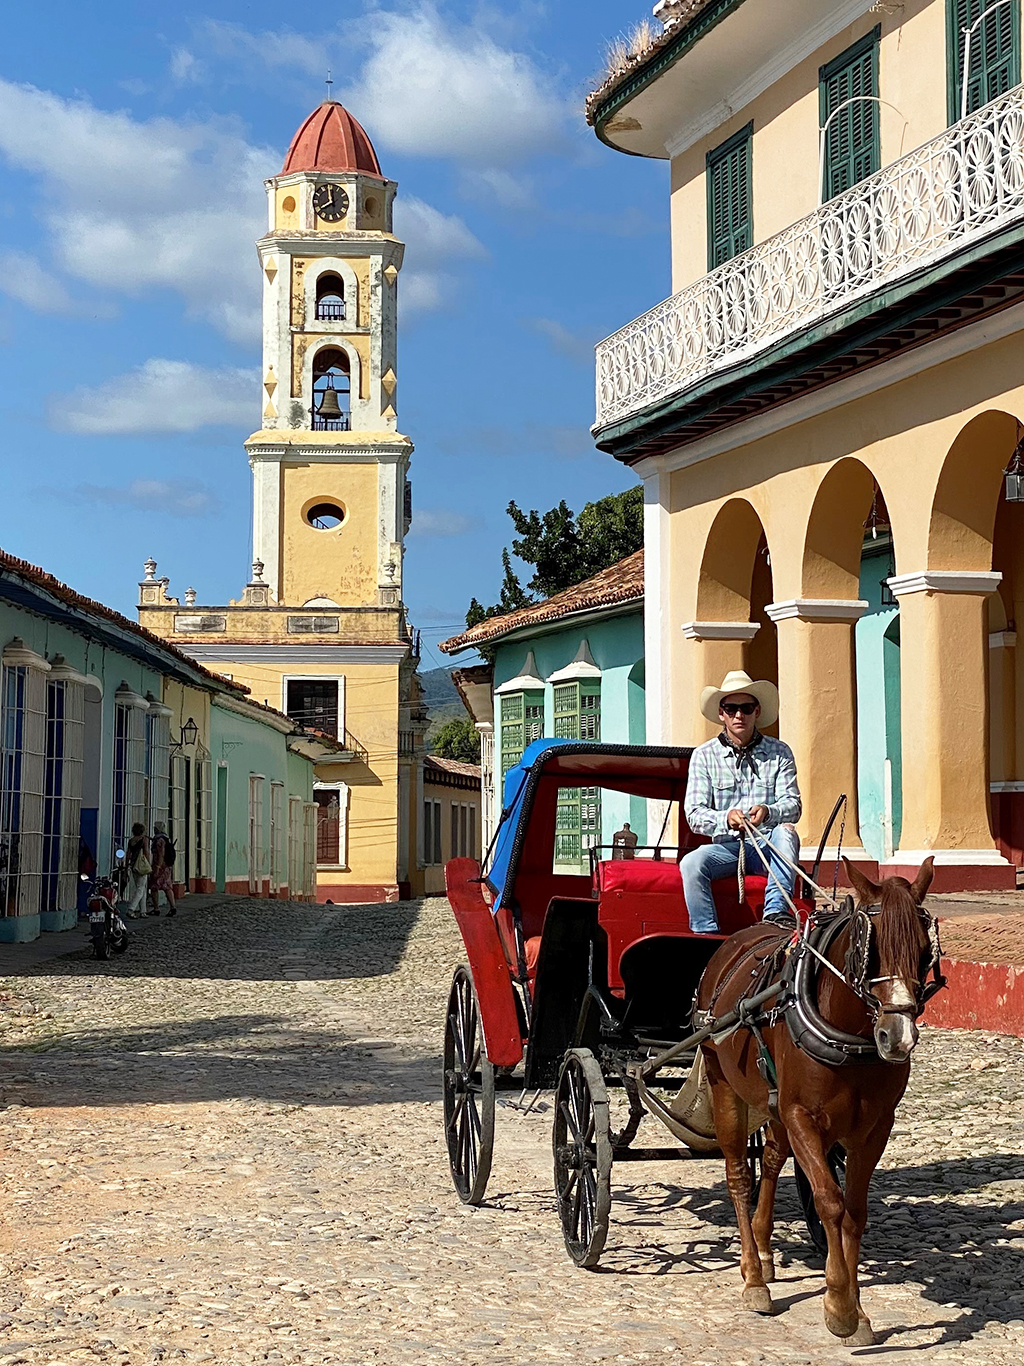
[{"x": 814, "y": 1106}]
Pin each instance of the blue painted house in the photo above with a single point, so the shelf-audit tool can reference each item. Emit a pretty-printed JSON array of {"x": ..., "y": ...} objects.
[{"x": 571, "y": 667}]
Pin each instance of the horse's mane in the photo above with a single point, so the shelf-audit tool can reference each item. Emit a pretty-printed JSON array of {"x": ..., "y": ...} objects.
[{"x": 898, "y": 929}]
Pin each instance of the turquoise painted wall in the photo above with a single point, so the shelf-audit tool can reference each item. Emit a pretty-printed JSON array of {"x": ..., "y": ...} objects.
[
  {"x": 878, "y": 705},
  {"x": 49, "y": 638},
  {"x": 249, "y": 747},
  {"x": 617, "y": 647}
]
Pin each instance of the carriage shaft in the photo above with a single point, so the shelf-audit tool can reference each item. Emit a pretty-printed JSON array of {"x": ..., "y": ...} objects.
[{"x": 734, "y": 1017}]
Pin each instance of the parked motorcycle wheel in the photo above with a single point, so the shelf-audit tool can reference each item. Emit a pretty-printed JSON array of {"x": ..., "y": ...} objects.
[
  {"x": 119, "y": 945},
  {"x": 100, "y": 949}
]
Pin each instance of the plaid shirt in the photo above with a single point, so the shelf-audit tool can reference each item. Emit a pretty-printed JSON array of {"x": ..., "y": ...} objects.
[{"x": 722, "y": 777}]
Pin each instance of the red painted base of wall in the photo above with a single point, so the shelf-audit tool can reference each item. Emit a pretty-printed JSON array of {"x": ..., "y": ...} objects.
[
  {"x": 240, "y": 887},
  {"x": 354, "y": 894},
  {"x": 204, "y": 885},
  {"x": 963, "y": 877},
  {"x": 1008, "y": 824},
  {"x": 979, "y": 996}
]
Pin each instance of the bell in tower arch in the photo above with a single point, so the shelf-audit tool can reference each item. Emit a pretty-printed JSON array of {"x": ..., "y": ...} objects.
[{"x": 329, "y": 405}]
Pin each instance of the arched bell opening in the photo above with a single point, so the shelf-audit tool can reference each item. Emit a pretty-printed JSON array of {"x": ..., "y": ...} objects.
[
  {"x": 331, "y": 391},
  {"x": 330, "y": 298}
]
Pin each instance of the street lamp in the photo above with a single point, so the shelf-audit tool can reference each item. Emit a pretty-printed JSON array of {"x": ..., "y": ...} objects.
[
  {"x": 189, "y": 733},
  {"x": 1014, "y": 472}
]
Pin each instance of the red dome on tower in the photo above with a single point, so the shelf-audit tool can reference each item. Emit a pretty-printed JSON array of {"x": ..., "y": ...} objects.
[{"x": 331, "y": 140}]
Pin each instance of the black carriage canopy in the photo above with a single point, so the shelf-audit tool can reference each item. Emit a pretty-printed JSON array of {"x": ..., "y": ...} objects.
[{"x": 526, "y": 833}]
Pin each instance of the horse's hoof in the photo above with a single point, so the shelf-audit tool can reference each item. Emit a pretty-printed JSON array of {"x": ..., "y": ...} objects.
[
  {"x": 842, "y": 1325},
  {"x": 757, "y": 1299},
  {"x": 864, "y": 1336}
]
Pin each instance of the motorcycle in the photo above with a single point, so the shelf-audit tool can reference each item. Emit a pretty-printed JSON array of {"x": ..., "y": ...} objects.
[{"x": 106, "y": 928}]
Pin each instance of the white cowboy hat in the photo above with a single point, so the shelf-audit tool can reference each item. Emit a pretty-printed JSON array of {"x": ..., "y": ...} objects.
[{"x": 738, "y": 681}]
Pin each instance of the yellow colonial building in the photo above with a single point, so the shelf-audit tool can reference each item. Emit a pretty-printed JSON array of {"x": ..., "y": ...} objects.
[
  {"x": 320, "y": 631},
  {"x": 823, "y": 410}
]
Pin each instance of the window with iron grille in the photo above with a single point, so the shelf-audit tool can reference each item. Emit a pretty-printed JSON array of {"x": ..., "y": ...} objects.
[
  {"x": 522, "y": 722},
  {"x": 852, "y": 149},
  {"x": 158, "y": 765},
  {"x": 994, "y": 54},
  {"x": 314, "y": 703},
  {"x": 256, "y": 845},
  {"x": 296, "y": 819},
  {"x": 62, "y": 797},
  {"x": 204, "y": 818},
  {"x": 309, "y": 850},
  {"x": 730, "y": 197},
  {"x": 129, "y": 805},
  {"x": 277, "y": 833},
  {"x": 22, "y": 784},
  {"x": 332, "y": 824},
  {"x": 433, "y": 855}
]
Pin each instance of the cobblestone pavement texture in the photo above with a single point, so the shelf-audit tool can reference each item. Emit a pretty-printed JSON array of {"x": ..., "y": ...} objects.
[{"x": 226, "y": 1147}]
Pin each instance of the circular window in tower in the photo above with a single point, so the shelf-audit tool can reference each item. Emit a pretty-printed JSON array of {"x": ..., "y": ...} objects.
[
  {"x": 324, "y": 516},
  {"x": 371, "y": 207},
  {"x": 288, "y": 204}
]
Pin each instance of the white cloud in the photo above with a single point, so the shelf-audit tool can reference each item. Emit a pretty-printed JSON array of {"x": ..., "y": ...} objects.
[
  {"x": 145, "y": 206},
  {"x": 161, "y": 397},
  {"x": 433, "y": 240},
  {"x": 564, "y": 341},
  {"x": 173, "y": 497},
  {"x": 185, "y": 67},
  {"x": 280, "y": 48},
  {"x": 24, "y": 279},
  {"x": 442, "y": 522},
  {"x": 431, "y": 87}
]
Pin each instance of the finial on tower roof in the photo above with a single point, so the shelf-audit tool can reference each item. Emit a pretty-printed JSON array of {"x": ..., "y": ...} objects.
[{"x": 329, "y": 82}]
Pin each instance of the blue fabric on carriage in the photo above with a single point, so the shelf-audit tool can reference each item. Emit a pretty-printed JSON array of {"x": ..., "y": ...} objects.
[{"x": 514, "y": 793}]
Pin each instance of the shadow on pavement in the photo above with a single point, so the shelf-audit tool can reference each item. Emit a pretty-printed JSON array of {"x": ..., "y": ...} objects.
[
  {"x": 227, "y": 1057},
  {"x": 957, "y": 1259}
]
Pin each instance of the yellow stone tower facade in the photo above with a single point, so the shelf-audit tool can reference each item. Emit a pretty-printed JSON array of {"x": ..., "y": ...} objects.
[{"x": 320, "y": 630}]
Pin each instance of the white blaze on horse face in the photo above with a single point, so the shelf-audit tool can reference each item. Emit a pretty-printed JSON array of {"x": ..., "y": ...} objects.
[{"x": 895, "y": 1035}]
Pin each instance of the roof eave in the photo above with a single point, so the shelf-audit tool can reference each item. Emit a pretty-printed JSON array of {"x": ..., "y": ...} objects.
[{"x": 580, "y": 617}]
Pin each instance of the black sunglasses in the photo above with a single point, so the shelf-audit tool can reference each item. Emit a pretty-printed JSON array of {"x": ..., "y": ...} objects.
[{"x": 747, "y": 708}]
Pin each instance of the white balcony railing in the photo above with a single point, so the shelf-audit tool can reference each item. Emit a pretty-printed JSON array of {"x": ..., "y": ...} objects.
[{"x": 963, "y": 185}]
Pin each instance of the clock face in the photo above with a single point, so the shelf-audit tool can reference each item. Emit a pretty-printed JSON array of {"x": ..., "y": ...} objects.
[{"x": 330, "y": 202}]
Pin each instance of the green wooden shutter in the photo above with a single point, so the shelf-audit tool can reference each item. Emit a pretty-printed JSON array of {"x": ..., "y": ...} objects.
[
  {"x": 577, "y": 716},
  {"x": 522, "y": 722},
  {"x": 995, "y": 52},
  {"x": 730, "y": 198},
  {"x": 852, "y": 149}
]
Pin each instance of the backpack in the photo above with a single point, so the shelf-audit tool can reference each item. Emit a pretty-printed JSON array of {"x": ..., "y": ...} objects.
[{"x": 170, "y": 853}]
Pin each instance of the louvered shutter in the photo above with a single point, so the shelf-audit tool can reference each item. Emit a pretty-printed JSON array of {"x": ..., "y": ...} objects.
[
  {"x": 995, "y": 51},
  {"x": 852, "y": 148},
  {"x": 730, "y": 199}
]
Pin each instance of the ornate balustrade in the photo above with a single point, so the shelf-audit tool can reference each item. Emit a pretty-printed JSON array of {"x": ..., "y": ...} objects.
[{"x": 951, "y": 192}]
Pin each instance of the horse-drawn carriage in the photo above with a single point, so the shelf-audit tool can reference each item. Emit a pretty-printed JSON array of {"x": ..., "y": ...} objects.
[
  {"x": 759, "y": 1042},
  {"x": 576, "y": 978}
]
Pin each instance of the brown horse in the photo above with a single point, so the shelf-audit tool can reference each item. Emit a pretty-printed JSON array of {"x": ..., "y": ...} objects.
[{"x": 820, "y": 1105}]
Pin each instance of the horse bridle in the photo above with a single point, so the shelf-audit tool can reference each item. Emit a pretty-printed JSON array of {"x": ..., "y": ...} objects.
[{"x": 858, "y": 956}]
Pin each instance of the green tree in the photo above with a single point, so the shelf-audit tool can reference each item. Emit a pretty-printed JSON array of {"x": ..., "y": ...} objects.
[
  {"x": 564, "y": 549},
  {"x": 458, "y": 739}
]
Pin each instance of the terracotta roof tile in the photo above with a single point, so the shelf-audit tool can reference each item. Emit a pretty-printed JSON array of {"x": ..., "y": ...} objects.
[
  {"x": 452, "y": 766},
  {"x": 619, "y": 583}
]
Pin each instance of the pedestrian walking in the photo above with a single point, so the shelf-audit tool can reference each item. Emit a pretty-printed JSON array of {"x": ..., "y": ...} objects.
[
  {"x": 161, "y": 879},
  {"x": 139, "y": 868}
]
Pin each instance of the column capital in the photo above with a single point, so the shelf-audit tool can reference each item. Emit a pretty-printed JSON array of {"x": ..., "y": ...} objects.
[
  {"x": 720, "y": 630},
  {"x": 818, "y": 609},
  {"x": 944, "y": 581},
  {"x": 1002, "y": 640}
]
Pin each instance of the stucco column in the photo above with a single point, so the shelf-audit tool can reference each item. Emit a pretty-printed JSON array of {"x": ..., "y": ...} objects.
[
  {"x": 944, "y": 726},
  {"x": 1002, "y": 685},
  {"x": 818, "y": 712},
  {"x": 711, "y": 650}
]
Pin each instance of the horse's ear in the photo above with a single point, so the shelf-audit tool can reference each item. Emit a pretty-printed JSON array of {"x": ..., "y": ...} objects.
[
  {"x": 924, "y": 879},
  {"x": 867, "y": 891}
]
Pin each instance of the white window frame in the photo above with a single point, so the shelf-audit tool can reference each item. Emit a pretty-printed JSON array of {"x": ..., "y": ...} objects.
[
  {"x": 22, "y": 787},
  {"x": 158, "y": 763},
  {"x": 309, "y": 850},
  {"x": 278, "y": 867},
  {"x": 66, "y": 798},
  {"x": 317, "y": 678},
  {"x": 256, "y": 844},
  {"x": 203, "y": 769},
  {"x": 135, "y": 795},
  {"x": 432, "y": 833},
  {"x": 343, "y": 792},
  {"x": 296, "y": 872}
]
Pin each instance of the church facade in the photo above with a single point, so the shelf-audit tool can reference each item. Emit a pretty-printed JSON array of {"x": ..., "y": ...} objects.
[{"x": 320, "y": 631}]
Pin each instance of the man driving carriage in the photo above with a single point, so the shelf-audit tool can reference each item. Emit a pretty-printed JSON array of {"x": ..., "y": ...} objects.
[{"x": 740, "y": 775}]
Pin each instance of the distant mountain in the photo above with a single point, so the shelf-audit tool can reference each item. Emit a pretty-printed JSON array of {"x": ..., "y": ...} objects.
[{"x": 438, "y": 688}]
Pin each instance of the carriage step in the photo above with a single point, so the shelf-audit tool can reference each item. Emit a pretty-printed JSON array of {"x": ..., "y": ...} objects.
[{"x": 653, "y": 1154}]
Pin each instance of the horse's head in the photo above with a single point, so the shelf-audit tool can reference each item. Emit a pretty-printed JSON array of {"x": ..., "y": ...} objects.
[{"x": 901, "y": 948}]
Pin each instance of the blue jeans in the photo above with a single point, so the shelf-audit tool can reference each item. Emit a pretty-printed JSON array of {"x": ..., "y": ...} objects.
[{"x": 701, "y": 866}]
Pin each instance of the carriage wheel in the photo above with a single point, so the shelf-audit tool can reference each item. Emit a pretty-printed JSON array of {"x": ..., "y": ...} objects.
[
  {"x": 583, "y": 1156},
  {"x": 468, "y": 1092},
  {"x": 837, "y": 1166}
]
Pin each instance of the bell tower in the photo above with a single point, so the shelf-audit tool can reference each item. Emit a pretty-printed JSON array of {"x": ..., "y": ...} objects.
[
  {"x": 330, "y": 494},
  {"x": 320, "y": 631}
]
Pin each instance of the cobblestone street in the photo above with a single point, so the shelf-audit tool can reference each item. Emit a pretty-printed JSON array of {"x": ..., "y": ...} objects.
[{"x": 227, "y": 1147}]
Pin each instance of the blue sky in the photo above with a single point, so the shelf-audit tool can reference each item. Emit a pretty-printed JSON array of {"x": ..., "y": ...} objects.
[{"x": 134, "y": 138}]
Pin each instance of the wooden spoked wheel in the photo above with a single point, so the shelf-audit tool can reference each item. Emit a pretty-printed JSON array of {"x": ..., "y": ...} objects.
[
  {"x": 583, "y": 1156},
  {"x": 468, "y": 1092}
]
